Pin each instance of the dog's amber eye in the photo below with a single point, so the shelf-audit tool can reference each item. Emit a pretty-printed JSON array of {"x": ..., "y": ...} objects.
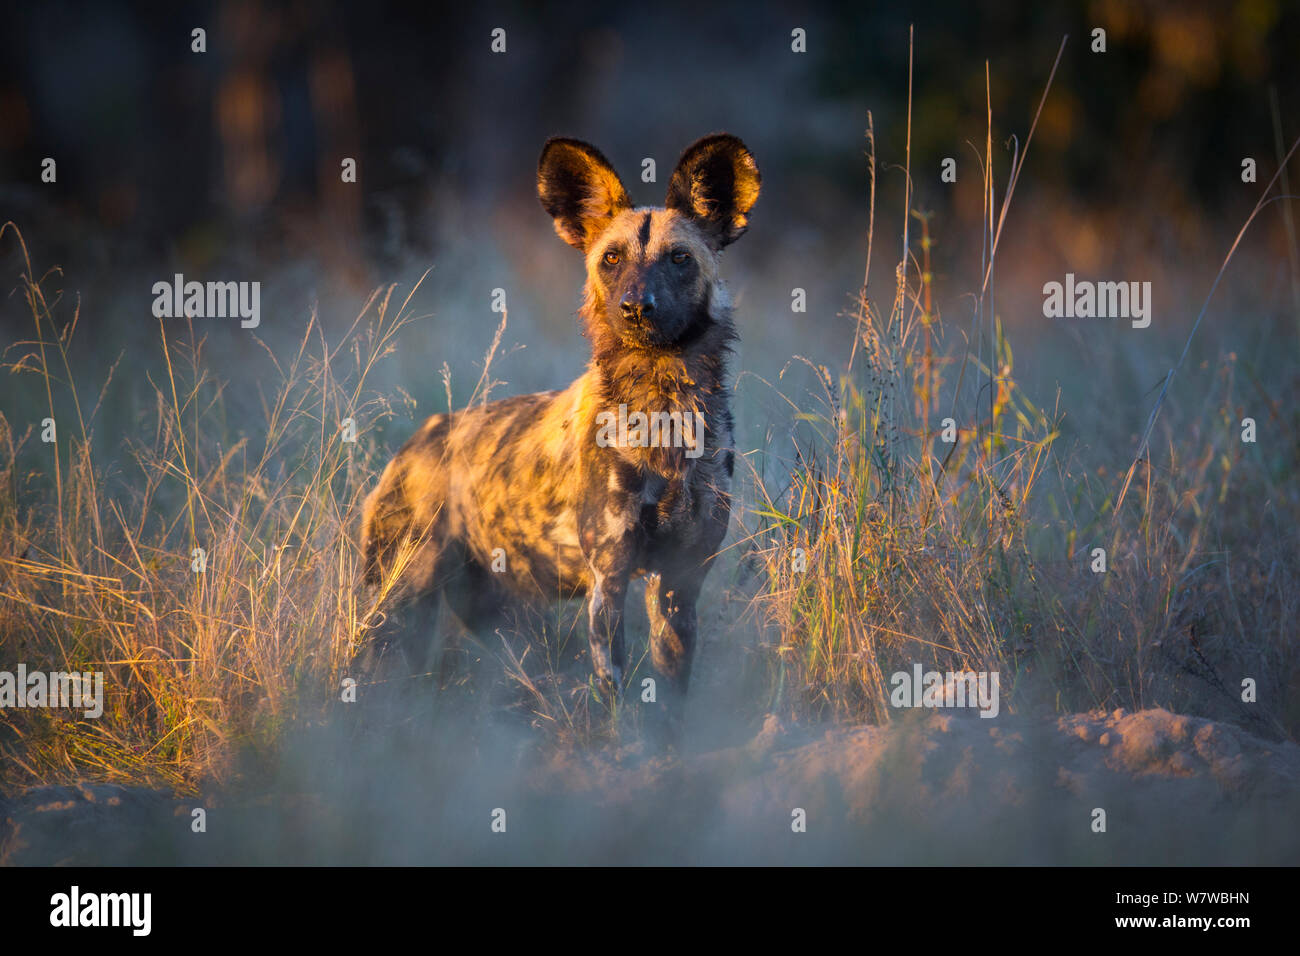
[
  {"x": 611, "y": 258},
  {"x": 680, "y": 256}
]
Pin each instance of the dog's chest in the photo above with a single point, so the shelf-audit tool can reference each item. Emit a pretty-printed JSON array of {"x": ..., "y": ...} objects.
[{"x": 664, "y": 513}]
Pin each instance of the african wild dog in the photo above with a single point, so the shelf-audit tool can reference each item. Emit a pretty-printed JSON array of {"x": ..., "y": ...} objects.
[{"x": 574, "y": 515}]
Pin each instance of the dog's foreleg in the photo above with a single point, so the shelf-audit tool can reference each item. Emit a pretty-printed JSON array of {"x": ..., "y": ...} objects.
[{"x": 605, "y": 614}]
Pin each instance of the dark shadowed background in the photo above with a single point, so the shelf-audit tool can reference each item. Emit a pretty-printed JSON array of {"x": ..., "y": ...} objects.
[{"x": 226, "y": 164}]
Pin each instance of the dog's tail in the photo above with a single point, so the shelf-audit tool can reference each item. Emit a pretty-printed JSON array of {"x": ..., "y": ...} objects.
[
  {"x": 376, "y": 538},
  {"x": 393, "y": 538}
]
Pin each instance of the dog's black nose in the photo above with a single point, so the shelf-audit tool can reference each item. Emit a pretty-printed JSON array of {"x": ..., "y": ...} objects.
[{"x": 638, "y": 308}]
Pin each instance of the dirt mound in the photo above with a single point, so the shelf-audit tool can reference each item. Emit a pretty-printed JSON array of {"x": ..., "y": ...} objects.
[
  {"x": 929, "y": 788},
  {"x": 85, "y": 823}
]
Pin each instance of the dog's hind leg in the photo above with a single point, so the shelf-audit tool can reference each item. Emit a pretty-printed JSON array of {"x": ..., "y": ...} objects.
[{"x": 473, "y": 595}]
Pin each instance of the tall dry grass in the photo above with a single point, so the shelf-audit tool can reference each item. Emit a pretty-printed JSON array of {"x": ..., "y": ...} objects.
[
  {"x": 881, "y": 544},
  {"x": 98, "y": 569}
]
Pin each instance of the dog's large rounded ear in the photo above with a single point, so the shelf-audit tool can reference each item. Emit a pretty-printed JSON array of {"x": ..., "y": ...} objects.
[
  {"x": 716, "y": 183},
  {"x": 579, "y": 189}
]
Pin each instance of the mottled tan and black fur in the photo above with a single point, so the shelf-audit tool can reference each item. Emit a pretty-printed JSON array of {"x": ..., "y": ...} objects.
[{"x": 527, "y": 475}]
